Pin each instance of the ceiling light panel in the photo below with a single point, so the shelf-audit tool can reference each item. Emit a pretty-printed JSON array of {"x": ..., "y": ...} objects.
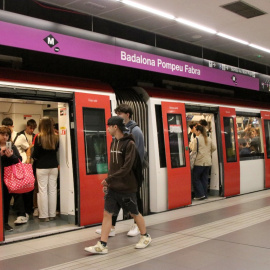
[
  {"x": 233, "y": 38},
  {"x": 148, "y": 9},
  {"x": 259, "y": 48},
  {"x": 196, "y": 25}
]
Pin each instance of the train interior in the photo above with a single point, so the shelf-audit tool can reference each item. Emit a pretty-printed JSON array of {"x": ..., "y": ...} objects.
[
  {"x": 251, "y": 152},
  {"x": 20, "y": 111},
  {"x": 214, "y": 184},
  {"x": 249, "y": 141}
]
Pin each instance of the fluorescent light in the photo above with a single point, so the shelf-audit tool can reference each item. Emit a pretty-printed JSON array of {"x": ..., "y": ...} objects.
[
  {"x": 196, "y": 25},
  {"x": 148, "y": 9},
  {"x": 259, "y": 48},
  {"x": 233, "y": 38},
  {"x": 189, "y": 23}
]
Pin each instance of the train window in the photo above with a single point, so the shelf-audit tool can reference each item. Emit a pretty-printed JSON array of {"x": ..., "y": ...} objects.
[
  {"x": 176, "y": 140},
  {"x": 160, "y": 134},
  {"x": 96, "y": 158},
  {"x": 249, "y": 137},
  {"x": 267, "y": 136},
  {"x": 229, "y": 139}
]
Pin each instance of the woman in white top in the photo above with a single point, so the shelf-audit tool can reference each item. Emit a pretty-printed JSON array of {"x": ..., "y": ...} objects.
[{"x": 203, "y": 162}]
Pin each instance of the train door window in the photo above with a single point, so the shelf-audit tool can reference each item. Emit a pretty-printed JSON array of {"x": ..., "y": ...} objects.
[
  {"x": 95, "y": 141},
  {"x": 160, "y": 135},
  {"x": 229, "y": 139},
  {"x": 249, "y": 137},
  {"x": 267, "y": 136},
  {"x": 176, "y": 140}
]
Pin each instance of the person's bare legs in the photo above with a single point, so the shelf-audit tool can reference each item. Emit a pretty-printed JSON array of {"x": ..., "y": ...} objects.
[
  {"x": 106, "y": 226},
  {"x": 140, "y": 223}
]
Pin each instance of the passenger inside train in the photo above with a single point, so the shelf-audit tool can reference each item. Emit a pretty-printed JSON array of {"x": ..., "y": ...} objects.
[
  {"x": 249, "y": 138},
  {"x": 23, "y": 115},
  {"x": 207, "y": 175}
]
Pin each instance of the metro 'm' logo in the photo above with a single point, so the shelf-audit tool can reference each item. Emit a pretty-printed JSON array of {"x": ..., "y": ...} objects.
[{"x": 50, "y": 40}]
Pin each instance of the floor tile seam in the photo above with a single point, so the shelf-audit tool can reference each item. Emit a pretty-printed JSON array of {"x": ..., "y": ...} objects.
[
  {"x": 156, "y": 254},
  {"x": 241, "y": 244},
  {"x": 232, "y": 222},
  {"x": 162, "y": 250},
  {"x": 161, "y": 244},
  {"x": 62, "y": 266},
  {"x": 229, "y": 202},
  {"x": 70, "y": 243},
  {"x": 83, "y": 238},
  {"x": 228, "y": 222},
  {"x": 181, "y": 211},
  {"x": 213, "y": 235},
  {"x": 136, "y": 259},
  {"x": 130, "y": 249},
  {"x": 125, "y": 253},
  {"x": 91, "y": 238},
  {"x": 203, "y": 230},
  {"x": 46, "y": 233},
  {"x": 199, "y": 211}
]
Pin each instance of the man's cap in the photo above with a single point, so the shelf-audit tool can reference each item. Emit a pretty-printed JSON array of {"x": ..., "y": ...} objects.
[{"x": 117, "y": 120}]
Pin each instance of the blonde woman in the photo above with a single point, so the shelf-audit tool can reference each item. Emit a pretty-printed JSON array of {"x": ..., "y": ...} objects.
[
  {"x": 203, "y": 162},
  {"x": 45, "y": 149}
]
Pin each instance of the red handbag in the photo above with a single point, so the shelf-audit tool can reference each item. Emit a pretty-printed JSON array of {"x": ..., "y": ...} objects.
[{"x": 19, "y": 178}]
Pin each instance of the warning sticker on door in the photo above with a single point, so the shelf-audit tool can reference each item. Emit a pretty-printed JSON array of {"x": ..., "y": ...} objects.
[
  {"x": 175, "y": 129},
  {"x": 63, "y": 111}
]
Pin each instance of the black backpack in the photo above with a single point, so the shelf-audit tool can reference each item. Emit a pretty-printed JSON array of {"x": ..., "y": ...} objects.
[
  {"x": 137, "y": 166},
  {"x": 145, "y": 162}
]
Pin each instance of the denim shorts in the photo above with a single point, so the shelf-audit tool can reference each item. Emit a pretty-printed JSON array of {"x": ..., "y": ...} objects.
[{"x": 114, "y": 201}]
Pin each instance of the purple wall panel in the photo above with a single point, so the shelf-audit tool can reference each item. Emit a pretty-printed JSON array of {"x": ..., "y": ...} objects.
[{"x": 19, "y": 36}]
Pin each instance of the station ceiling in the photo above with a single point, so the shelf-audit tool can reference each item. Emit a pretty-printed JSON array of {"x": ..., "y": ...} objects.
[{"x": 246, "y": 20}]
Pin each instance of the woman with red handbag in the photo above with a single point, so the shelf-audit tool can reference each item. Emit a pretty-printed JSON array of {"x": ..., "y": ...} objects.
[
  {"x": 8, "y": 158},
  {"x": 45, "y": 149}
]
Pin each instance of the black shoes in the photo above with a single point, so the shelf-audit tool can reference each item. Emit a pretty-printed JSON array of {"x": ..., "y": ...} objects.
[
  {"x": 200, "y": 198},
  {"x": 8, "y": 228}
]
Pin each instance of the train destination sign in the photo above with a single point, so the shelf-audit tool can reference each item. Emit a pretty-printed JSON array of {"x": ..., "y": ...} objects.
[{"x": 25, "y": 37}]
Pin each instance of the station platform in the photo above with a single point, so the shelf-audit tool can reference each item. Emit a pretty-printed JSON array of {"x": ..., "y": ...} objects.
[{"x": 230, "y": 233}]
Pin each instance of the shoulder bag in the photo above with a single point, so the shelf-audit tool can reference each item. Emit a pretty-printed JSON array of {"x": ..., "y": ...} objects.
[
  {"x": 193, "y": 155},
  {"x": 19, "y": 178}
]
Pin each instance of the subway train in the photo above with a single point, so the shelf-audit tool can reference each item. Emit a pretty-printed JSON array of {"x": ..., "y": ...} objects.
[{"x": 81, "y": 109}]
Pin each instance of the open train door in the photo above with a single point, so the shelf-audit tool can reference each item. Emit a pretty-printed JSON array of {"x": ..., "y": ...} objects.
[
  {"x": 1, "y": 208},
  {"x": 93, "y": 146},
  {"x": 177, "y": 154},
  {"x": 231, "y": 164},
  {"x": 265, "y": 116}
]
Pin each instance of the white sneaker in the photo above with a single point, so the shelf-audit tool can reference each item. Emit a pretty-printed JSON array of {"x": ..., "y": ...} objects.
[
  {"x": 144, "y": 241},
  {"x": 112, "y": 232},
  {"x": 21, "y": 219},
  {"x": 134, "y": 230},
  {"x": 97, "y": 249},
  {"x": 35, "y": 213}
]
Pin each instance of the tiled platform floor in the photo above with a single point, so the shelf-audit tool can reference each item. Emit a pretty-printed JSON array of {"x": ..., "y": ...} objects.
[{"x": 231, "y": 233}]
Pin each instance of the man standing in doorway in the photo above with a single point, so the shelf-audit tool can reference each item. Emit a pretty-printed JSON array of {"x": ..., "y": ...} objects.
[
  {"x": 120, "y": 186},
  {"x": 24, "y": 140}
]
